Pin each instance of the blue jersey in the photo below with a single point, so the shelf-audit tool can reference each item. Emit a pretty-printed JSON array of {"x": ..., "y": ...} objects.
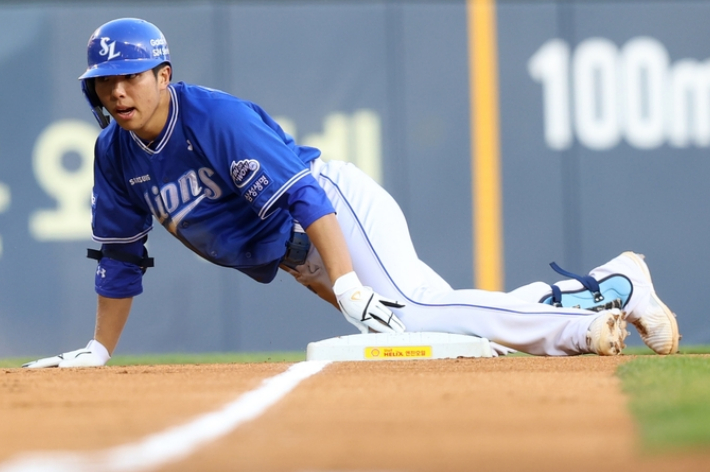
[{"x": 222, "y": 177}]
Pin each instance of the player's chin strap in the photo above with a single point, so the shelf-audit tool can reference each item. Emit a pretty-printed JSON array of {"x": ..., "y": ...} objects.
[
  {"x": 613, "y": 291},
  {"x": 100, "y": 113},
  {"x": 142, "y": 262}
]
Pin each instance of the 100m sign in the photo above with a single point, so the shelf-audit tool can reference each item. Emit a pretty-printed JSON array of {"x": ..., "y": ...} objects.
[{"x": 601, "y": 94}]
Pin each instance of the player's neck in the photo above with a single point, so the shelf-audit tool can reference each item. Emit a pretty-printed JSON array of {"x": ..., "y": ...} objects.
[{"x": 154, "y": 127}]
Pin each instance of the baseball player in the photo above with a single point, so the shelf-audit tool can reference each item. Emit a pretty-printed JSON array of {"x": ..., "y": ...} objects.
[{"x": 223, "y": 177}]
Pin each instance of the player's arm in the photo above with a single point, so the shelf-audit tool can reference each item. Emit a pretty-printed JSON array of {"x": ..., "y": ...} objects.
[
  {"x": 360, "y": 305},
  {"x": 325, "y": 234},
  {"x": 111, "y": 317},
  {"x": 122, "y": 227},
  {"x": 118, "y": 280}
]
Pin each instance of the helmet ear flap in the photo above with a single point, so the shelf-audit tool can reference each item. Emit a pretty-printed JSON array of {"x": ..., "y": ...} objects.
[{"x": 103, "y": 118}]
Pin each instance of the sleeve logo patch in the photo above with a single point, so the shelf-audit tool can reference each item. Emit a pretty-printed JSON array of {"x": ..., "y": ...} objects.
[
  {"x": 259, "y": 184},
  {"x": 243, "y": 171}
]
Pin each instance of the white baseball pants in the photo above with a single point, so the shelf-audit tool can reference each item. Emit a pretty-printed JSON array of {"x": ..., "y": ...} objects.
[{"x": 385, "y": 259}]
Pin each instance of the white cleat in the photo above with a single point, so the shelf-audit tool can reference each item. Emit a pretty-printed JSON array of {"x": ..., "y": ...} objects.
[
  {"x": 654, "y": 321},
  {"x": 607, "y": 332}
]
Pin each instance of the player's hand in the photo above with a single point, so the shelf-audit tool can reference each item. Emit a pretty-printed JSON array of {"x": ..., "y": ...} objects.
[
  {"x": 365, "y": 309},
  {"x": 500, "y": 350},
  {"x": 93, "y": 355}
]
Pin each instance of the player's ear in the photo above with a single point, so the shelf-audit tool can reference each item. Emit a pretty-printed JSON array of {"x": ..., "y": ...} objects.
[{"x": 164, "y": 75}]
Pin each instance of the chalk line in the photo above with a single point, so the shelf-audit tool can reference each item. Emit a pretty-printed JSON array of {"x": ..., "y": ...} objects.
[{"x": 175, "y": 443}]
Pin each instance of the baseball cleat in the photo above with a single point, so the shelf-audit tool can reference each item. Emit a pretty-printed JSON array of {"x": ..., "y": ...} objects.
[
  {"x": 607, "y": 332},
  {"x": 654, "y": 321}
]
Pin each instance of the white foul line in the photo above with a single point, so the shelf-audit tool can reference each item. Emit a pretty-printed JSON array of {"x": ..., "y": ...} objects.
[{"x": 175, "y": 443}]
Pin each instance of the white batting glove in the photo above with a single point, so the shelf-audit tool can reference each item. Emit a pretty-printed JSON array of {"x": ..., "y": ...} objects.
[
  {"x": 365, "y": 309},
  {"x": 93, "y": 355},
  {"x": 500, "y": 350}
]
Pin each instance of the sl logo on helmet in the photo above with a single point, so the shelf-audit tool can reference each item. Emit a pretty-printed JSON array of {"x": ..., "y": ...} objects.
[{"x": 108, "y": 49}]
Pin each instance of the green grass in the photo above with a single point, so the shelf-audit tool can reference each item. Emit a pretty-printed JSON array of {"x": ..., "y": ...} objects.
[
  {"x": 642, "y": 350},
  {"x": 186, "y": 358},
  {"x": 669, "y": 396}
]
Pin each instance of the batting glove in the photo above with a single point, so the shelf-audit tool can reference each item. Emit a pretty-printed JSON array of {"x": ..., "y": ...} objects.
[
  {"x": 500, "y": 350},
  {"x": 93, "y": 355},
  {"x": 365, "y": 309}
]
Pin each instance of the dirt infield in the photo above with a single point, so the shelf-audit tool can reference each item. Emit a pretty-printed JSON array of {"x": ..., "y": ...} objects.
[{"x": 505, "y": 414}]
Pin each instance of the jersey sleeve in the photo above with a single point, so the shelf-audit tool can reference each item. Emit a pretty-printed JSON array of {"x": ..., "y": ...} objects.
[
  {"x": 115, "y": 218},
  {"x": 307, "y": 201}
]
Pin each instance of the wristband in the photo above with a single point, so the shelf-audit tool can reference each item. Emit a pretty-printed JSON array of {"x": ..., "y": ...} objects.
[
  {"x": 346, "y": 282},
  {"x": 99, "y": 350}
]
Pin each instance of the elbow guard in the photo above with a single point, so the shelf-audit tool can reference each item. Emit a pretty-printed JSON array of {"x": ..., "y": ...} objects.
[
  {"x": 124, "y": 256},
  {"x": 120, "y": 271}
]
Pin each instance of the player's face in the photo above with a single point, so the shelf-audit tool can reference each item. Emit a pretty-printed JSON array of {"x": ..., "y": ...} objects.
[{"x": 138, "y": 102}]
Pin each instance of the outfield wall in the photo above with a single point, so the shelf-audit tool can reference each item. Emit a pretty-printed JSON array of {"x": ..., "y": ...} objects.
[{"x": 604, "y": 134}]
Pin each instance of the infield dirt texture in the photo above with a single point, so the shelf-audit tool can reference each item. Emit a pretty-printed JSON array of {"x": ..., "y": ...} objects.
[{"x": 503, "y": 414}]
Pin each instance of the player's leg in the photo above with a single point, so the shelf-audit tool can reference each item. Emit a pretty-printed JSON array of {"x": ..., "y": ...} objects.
[
  {"x": 625, "y": 278},
  {"x": 384, "y": 258},
  {"x": 376, "y": 231}
]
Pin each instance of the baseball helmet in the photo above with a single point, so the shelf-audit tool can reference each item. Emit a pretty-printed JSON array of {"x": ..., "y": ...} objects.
[{"x": 121, "y": 47}]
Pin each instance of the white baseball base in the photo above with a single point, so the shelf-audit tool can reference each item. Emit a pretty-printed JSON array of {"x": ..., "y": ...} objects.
[{"x": 403, "y": 346}]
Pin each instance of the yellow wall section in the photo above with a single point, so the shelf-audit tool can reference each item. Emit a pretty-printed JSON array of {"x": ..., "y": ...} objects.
[{"x": 485, "y": 145}]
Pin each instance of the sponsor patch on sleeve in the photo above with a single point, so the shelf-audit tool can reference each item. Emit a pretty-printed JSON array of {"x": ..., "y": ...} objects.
[
  {"x": 257, "y": 187},
  {"x": 243, "y": 171}
]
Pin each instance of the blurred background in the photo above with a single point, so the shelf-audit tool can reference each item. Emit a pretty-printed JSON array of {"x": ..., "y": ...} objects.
[{"x": 604, "y": 136}]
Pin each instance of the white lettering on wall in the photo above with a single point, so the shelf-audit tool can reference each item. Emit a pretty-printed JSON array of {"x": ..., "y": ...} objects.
[
  {"x": 70, "y": 188},
  {"x": 601, "y": 94}
]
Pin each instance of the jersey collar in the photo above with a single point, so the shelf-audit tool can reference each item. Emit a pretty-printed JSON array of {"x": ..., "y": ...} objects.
[{"x": 164, "y": 137}]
